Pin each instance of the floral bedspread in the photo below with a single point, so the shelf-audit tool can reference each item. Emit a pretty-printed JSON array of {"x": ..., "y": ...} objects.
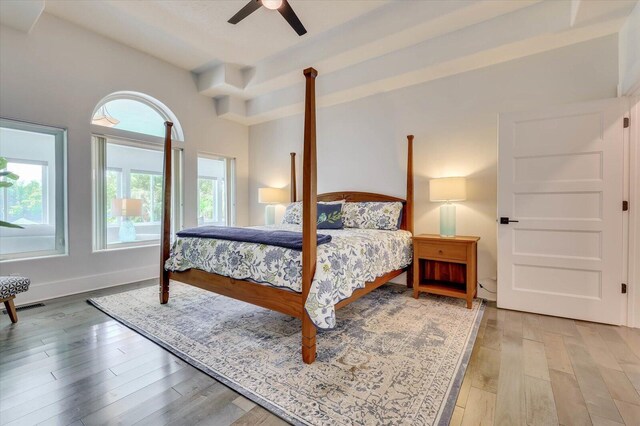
[{"x": 352, "y": 258}]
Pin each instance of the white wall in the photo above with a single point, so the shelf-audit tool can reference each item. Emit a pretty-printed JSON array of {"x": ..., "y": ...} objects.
[
  {"x": 629, "y": 52},
  {"x": 55, "y": 76},
  {"x": 362, "y": 145}
]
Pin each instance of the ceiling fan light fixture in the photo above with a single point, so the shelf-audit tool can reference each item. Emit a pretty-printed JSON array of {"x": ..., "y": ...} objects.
[
  {"x": 272, "y": 4},
  {"x": 282, "y": 6}
]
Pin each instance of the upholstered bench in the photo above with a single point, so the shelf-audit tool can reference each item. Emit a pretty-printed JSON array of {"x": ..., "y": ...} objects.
[{"x": 9, "y": 287}]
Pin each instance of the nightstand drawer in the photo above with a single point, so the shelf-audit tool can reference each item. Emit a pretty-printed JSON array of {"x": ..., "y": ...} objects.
[{"x": 442, "y": 251}]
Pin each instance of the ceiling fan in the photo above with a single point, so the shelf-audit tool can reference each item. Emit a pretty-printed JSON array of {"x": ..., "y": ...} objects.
[{"x": 281, "y": 6}]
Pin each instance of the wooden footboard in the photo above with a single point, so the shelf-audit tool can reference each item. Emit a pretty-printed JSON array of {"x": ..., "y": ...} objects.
[{"x": 276, "y": 299}]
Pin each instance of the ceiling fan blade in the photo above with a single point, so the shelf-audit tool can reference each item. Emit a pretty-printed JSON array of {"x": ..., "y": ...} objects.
[
  {"x": 287, "y": 12},
  {"x": 247, "y": 10}
]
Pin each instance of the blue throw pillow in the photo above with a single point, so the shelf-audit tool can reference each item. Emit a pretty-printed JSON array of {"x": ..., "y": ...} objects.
[{"x": 330, "y": 216}]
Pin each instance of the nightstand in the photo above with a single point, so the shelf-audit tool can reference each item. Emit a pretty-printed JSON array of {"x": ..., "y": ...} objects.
[{"x": 446, "y": 266}]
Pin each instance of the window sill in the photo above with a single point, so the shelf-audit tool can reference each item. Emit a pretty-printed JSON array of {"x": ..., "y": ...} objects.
[
  {"x": 128, "y": 246},
  {"x": 30, "y": 257}
]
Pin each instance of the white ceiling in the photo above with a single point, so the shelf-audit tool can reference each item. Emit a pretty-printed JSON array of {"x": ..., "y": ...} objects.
[
  {"x": 253, "y": 70},
  {"x": 195, "y": 34}
]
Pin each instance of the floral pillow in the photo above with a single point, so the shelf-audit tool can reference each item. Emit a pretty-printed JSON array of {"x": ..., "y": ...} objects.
[
  {"x": 372, "y": 215},
  {"x": 293, "y": 212},
  {"x": 330, "y": 216}
]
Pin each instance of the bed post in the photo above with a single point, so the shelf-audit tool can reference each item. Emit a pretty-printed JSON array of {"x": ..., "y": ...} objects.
[
  {"x": 292, "y": 185},
  {"x": 309, "y": 213},
  {"x": 409, "y": 205},
  {"x": 165, "y": 234}
]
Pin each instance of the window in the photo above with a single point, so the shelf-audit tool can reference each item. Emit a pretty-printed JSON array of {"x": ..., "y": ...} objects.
[
  {"x": 24, "y": 202},
  {"x": 35, "y": 202},
  {"x": 147, "y": 186},
  {"x": 215, "y": 190},
  {"x": 114, "y": 189},
  {"x": 134, "y": 176},
  {"x": 135, "y": 112},
  {"x": 128, "y": 196}
]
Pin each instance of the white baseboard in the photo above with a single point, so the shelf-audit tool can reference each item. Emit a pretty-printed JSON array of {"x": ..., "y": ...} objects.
[
  {"x": 484, "y": 294},
  {"x": 67, "y": 287}
]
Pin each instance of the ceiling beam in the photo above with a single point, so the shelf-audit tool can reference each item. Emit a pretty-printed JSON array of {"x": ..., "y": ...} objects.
[
  {"x": 380, "y": 32},
  {"x": 540, "y": 28},
  {"x": 224, "y": 79}
]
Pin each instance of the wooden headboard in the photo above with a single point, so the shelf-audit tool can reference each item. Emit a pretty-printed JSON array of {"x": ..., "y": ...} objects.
[{"x": 406, "y": 222}]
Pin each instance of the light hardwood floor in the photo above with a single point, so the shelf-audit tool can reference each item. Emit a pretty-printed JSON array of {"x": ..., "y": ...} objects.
[
  {"x": 68, "y": 363},
  {"x": 540, "y": 370}
]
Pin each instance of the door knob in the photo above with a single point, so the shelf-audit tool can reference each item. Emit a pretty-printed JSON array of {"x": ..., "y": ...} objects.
[{"x": 506, "y": 221}]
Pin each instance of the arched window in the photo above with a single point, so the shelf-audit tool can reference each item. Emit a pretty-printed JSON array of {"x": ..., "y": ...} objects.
[
  {"x": 128, "y": 155},
  {"x": 137, "y": 113}
]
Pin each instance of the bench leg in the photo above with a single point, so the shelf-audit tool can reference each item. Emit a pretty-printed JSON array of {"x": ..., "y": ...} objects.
[{"x": 11, "y": 309}]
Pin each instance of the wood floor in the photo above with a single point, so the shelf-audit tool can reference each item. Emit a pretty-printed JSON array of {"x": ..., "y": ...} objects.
[
  {"x": 68, "y": 363},
  {"x": 539, "y": 370}
]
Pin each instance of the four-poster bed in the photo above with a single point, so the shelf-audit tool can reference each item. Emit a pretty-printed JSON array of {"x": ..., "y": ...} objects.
[{"x": 278, "y": 299}]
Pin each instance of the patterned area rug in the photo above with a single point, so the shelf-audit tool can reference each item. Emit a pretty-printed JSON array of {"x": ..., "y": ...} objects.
[{"x": 391, "y": 360}]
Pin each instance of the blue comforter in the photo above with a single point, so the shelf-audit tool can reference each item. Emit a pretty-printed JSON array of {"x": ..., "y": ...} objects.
[{"x": 279, "y": 238}]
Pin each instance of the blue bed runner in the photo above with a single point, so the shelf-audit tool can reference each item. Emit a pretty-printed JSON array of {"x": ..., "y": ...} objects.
[{"x": 287, "y": 239}]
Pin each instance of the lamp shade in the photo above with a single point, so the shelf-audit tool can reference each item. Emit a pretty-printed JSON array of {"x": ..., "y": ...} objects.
[
  {"x": 448, "y": 189},
  {"x": 126, "y": 207},
  {"x": 272, "y": 196}
]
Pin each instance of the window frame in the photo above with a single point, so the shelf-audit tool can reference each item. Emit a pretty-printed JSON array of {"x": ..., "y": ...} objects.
[
  {"x": 138, "y": 140},
  {"x": 230, "y": 181},
  {"x": 60, "y": 206},
  {"x": 99, "y": 161}
]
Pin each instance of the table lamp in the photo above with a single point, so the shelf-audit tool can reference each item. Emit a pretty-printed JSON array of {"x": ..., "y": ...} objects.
[
  {"x": 271, "y": 196},
  {"x": 448, "y": 190},
  {"x": 126, "y": 208}
]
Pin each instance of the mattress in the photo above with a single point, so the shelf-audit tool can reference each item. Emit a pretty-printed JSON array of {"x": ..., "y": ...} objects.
[{"x": 352, "y": 258}]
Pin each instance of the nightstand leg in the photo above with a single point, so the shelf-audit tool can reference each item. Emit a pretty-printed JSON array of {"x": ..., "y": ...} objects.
[
  {"x": 416, "y": 278},
  {"x": 469, "y": 278}
]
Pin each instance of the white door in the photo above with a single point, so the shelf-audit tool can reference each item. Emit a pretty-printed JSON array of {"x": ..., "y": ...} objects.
[{"x": 560, "y": 176}]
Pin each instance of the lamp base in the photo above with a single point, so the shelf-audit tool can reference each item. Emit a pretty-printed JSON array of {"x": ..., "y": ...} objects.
[
  {"x": 270, "y": 215},
  {"x": 127, "y": 232},
  {"x": 448, "y": 220}
]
